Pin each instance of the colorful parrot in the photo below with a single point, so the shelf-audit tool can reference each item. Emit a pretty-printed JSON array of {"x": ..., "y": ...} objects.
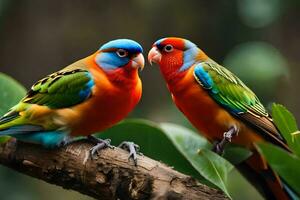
[
  {"x": 87, "y": 96},
  {"x": 218, "y": 104}
]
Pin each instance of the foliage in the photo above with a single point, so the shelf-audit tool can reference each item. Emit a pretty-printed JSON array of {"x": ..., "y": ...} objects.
[
  {"x": 287, "y": 125},
  {"x": 11, "y": 93},
  {"x": 286, "y": 164}
]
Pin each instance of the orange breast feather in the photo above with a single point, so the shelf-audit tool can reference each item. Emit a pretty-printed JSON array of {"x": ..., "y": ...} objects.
[
  {"x": 108, "y": 104},
  {"x": 205, "y": 114}
]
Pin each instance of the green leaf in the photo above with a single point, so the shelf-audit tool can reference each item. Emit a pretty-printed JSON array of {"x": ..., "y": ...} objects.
[
  {"x": 236, "y": 154},
  {"x": 11, "y": 93},
  {"x": 213, "y": 167},
  {"x": 286, "y": 123},
  {"x": 284, "y": 163},
  {"x": 216, "y": 169},
  {"x": 237, "y": 183}
]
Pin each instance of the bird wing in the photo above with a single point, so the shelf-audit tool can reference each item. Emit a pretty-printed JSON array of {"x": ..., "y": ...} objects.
[
  {"x": 233, "y": 95},
  {"x": 62, "y": 89}
]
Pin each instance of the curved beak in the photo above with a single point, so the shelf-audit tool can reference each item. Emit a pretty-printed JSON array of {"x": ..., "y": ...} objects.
[
  {"x": 138, "y": 61},
  {"x": 154, "y": 56}
]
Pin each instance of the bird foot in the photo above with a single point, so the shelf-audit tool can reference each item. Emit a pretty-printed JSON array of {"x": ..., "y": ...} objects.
[
  {"x": 218, "y": 147},
  {"x": 133, "y": 150},
  {"x": 100, "y": 144}
]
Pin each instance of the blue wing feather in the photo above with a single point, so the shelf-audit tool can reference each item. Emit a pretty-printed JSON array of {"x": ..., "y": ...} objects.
[{"x": 203, "y": 76}]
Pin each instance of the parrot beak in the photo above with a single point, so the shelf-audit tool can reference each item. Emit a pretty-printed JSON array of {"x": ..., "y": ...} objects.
[
  {"x": 154, "y": 56},
  {"x": 138, "y": 61}
]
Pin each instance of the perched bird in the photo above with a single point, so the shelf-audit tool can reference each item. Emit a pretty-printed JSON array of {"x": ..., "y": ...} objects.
[
  {"x": 87, "y": 96},
  {"x": 218, "y": 103}
]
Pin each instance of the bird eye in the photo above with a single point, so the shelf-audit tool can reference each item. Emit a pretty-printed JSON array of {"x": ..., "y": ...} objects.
[
  {"x": 122, "y": 53},
  {"x": 168, "y": 48}
]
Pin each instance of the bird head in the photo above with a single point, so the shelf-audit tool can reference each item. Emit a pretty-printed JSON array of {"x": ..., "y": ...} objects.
[
  {"x": 174, "y": 54},
  {"x": 120, "y": 53}
]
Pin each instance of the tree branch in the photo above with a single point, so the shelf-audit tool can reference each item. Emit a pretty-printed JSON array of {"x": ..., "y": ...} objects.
[{"x": 110, "y": 176}]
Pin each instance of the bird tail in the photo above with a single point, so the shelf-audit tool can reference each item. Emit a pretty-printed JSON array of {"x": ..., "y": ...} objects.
[
  {"x": 279, "y": 188},
  {"x": 22, "y": 129},
  {"x": 266, "y": 180},
  {"x": 11, "y": 125},
  {"x": 7, "y": 120}
]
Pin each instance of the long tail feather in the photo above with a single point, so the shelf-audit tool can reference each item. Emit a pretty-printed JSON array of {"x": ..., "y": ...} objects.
[
  {"x": 9, "y": 117},
  {"x": 17, "y": 130},
  {"x": 267, "y": 181}
]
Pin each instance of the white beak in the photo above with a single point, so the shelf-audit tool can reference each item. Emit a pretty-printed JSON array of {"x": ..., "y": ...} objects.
[
  {"x": 154, "y": 56},
  {"x": 138, "y": 61}
]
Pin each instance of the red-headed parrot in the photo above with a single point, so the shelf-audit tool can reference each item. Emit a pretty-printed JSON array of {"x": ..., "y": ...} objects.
[{"x": 218, "y": 103}]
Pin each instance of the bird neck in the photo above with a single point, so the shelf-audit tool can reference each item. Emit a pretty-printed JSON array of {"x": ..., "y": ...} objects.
[
  {"x": 201, "y": 56},
  {"x": 123, "y": 76},
  {"x": 174, "y": 70},
  {"x": 170, "y": 75}
]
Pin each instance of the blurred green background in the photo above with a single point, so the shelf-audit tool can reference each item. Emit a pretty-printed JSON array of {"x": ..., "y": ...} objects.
[{"x": 257, "y": 39}]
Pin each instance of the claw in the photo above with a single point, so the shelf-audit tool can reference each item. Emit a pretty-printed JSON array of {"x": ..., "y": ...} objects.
[
  {"x": 233, "y": 131},
  {"x": 133, "y": 150},
  {"x": 219, "y": 147},
  {"x": 100, "y": 144}
]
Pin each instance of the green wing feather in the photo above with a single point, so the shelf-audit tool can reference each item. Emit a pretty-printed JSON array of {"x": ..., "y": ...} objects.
[
  {"x": 62, "y": 89},
  {"x": 233, "y": 95}
]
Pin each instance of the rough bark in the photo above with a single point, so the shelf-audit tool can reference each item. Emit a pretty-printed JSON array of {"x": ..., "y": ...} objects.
[{"x": 110, "y": 176}]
